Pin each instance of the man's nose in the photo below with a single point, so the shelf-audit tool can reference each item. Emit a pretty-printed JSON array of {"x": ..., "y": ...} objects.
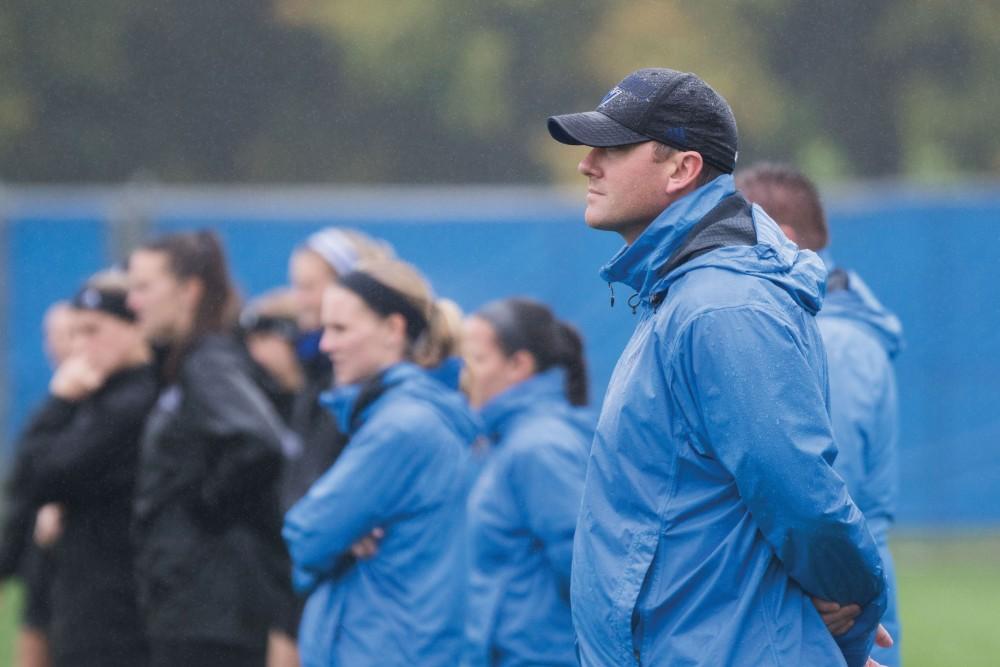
[{"x": 587, "y": 165}]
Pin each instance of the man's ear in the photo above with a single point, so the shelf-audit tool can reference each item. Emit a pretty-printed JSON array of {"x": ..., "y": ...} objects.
[{"x": 687, "y": 168}]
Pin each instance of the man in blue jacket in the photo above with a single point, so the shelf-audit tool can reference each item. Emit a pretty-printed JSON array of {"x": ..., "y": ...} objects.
[
  {"x": 711, "y": 513},
  {"x": 861, "y": 339}
]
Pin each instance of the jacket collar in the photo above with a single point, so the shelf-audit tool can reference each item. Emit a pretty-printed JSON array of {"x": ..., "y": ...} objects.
[
  {"x": 498, "y": 414},
  {"x": 636, "y": 264},
  {"x": 349, "y": 403}
]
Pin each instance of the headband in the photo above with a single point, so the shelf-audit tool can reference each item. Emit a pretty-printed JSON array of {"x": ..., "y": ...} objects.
[
  {"x": 385, "y": 301},
  {"x": 107, "y": 301},
  {"x": 336, "y": 249}
]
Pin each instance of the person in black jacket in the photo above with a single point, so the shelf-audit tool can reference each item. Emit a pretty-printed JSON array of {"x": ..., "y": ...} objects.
[
  {"x": 210, "y": 558},
  {"x": 19, "y": 556},
  {"x": 82, "y": 449}
]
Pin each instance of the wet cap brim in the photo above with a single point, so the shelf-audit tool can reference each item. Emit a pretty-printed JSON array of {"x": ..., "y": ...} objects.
[{"x": 592, "y": 128}]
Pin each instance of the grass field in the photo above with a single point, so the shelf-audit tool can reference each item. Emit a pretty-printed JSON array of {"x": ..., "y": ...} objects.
[{"x": 949, "y": 591}]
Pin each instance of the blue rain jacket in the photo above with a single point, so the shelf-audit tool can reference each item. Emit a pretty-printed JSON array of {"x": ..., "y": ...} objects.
[
  {"x": 710, "y": 511},
  {"x": 861, "y": 339},
  {"x": 405, "y": 470},
  {"x": 521, "y": 515}
]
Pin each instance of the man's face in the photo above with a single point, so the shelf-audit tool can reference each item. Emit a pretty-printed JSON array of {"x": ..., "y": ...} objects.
[{"x": 626, "y": 188}]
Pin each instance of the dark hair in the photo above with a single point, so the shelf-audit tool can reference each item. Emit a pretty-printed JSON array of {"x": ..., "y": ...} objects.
[
  {"x": 199, "y": 256},
  {"x": 523, "y": 324},
  {"x": 790, "y": 198}
]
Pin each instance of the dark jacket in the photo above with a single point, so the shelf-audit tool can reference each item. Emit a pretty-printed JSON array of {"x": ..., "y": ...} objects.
[
  {"x": 83, "y": 455},
  {"x": 210, "y": 558},
  {"x": 320, "y": 441}
]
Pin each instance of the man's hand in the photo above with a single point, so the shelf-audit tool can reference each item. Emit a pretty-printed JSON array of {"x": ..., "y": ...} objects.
[
  {"x": 48, "y": 525},
  {"x": 838, "y": 618},
  {"x": 883, "y": 639},
  {"x": 368, "y": 545}
]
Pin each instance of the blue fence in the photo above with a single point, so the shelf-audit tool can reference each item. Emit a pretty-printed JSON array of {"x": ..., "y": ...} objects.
[{"x": 935, "y": 260}]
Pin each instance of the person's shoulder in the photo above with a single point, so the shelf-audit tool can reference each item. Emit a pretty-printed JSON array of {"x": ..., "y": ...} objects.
[
  {"x": 849, "y": 342},
  {"x": 213, "y": 354},
  {"x": 713, "y": 287},
  {"x": 134, "y": 385},
  {"x": 545, "y": 432},
  {"x": 716, "y": 295}
]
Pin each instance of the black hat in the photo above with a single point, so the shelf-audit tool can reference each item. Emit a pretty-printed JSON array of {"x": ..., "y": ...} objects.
[
  {"x": 675, "y": 108},
  {"x": 111, "y": 301}
]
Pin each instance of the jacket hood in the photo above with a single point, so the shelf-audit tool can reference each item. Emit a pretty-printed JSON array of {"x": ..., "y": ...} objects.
[
  {"x": 850, "y": 298},
  {"x": 351, "y": 404},
  {"x": 737, "y": 237},
  {"x": 498, "y": 413}
]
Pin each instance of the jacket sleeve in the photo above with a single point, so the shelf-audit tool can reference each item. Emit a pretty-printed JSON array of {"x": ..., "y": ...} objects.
[
  {"x": 242, "y": 431},
  {"x": 20, "y": 506},
  {"x": 880, "y": 454},
  {"x": 762, "y": 411},
  {"x": 547, "y": 483},
  {"x": 71, "y": 459},
  {"x": 373, "y": 481}
]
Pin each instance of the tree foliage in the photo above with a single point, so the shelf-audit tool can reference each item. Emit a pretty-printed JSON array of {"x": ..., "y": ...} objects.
[{"x": 419, "y": 91}]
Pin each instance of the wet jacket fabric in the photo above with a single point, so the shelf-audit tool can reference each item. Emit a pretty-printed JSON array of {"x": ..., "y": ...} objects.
[
  {"x": 83, "y": 455},
  {"x": 711, "y": 511},
  {"x": 210, "y": 560},
  {"x": 404, "y": 470},
  {"x": 521, "y": 515},
  {"x": 862, "y": 338}
]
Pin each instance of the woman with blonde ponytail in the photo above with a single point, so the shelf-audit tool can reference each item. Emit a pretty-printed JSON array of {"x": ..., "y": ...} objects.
[{"x": 376, "y": 542}]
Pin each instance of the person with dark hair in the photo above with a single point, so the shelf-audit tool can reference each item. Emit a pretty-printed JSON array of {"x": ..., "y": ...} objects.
[
  {"x": 376, "y": 543},
  {"x": 84, "y": 448},
  {"x": 526, "y": 374},
  {"x": 270, "y": 331},
  {"x": 711, "y": 512},
  {"x": 210, "y": 561},
  {"x": 861, "y": 338}
]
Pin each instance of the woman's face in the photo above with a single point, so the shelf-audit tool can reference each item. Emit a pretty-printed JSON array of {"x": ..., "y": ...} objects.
[
  {"x": 108, "y": 343},
  {"x": 310, "y": 276},
  {"x": 359, "y": 341},
  {"x": 488, "y": 371},
  {"x": 164, "y": 306}
]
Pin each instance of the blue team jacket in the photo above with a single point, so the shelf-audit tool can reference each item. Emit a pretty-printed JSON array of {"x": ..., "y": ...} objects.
[
  {"x": 405, "y": 470},
  {"x": 711, "y": 511},
  {"x": 521, "y": 515},
  {"x": 862, "y": 338}
]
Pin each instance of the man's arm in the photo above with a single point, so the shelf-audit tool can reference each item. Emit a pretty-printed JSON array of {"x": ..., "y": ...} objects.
[{"x": 763, "y": 415}]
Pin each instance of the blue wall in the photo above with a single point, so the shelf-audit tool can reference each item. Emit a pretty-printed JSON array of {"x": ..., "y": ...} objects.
[{"x": 935, "y": 261}]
